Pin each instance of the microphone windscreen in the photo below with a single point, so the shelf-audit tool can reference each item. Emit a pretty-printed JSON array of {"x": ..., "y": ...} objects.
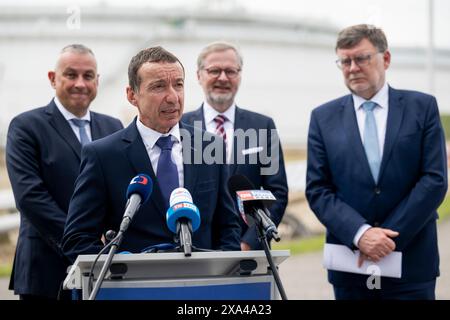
[
  {"x": 142, "y": 185},
  {"x": 240, "y": 183},
  {"x": 181, "y": 206},
  {"x": 180, "y": 195}
]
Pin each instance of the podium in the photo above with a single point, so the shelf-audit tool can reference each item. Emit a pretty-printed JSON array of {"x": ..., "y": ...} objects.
[{"x": 219, "y": 275}]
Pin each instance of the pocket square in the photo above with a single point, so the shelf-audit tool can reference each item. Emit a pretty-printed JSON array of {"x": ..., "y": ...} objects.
[{"x": 251, "y": 150}]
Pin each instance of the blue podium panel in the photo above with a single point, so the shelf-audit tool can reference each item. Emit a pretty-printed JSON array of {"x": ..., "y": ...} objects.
[
  {"x": 241, "y": 291},
  {"x": 161, "y": 276}
]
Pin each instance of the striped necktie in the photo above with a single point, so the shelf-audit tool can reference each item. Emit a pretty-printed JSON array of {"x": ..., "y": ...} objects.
[{"x": 220, "y": 129}]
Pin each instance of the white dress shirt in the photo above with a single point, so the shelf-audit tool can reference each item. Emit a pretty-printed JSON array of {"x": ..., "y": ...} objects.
[
  {"x": 68, "y": 116},
  {"x": 150, "y": 137},
  {"x": 210, "y": 113},
  {"x": 380, "y": 112}
]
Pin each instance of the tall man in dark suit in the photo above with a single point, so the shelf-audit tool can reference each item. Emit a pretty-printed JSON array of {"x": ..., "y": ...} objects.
[
  {"x": 43, "y": 159},
  {"x": 377, "y": 172},
  {"x": 253, "y": 147},
  {"x": 156, "y": 144}
]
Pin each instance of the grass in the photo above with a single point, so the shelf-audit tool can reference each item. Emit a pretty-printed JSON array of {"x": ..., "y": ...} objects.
[
  {"x": 445, "y": 120},
  {"x": 303, "y": 245},
  {"x": 5, "y": 270},
  {"x": 444, "y": 209}
]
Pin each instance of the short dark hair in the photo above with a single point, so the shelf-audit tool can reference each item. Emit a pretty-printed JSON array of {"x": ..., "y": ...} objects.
[
  {"x": 351, "y": 36},
  {"x": 153, "y": 54}
]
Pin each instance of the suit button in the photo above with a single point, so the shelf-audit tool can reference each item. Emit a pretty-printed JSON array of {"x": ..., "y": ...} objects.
[
  {"x": 377, "y": 190},
  {"x": 376, "y": 224}
]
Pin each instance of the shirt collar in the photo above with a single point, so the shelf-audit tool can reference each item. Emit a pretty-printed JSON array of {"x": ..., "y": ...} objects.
[
  {"x": 67, "y": 114},
  {"x": 150, "y": 136},
  {"x": 381, "y": 98},
  {"x": 210, "y": 113}
]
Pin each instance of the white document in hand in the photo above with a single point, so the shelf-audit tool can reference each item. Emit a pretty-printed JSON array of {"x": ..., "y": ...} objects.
[{"x": 341, "y": 258}]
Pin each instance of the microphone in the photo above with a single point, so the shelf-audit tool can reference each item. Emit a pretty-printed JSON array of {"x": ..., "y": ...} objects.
[
  {"x": 138, "y": 193},
  {"x": 183, "y": 218},
  {"x": 252, "y": 204}
]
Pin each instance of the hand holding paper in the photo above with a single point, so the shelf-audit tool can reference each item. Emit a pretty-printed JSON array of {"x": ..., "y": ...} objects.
[
  {"x": 341, "y": 258},
  {"x": 375, "y": 244}
]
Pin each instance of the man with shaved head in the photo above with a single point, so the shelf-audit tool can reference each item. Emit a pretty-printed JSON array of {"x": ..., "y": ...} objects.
[{"x": 43, "y": 158}]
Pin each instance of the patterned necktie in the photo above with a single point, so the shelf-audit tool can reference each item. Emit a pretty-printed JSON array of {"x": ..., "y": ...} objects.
[
  {"x": 81, "y": 124},
  {"x": 371, "y": 145},
  {"x": 220, "y": 129},
  {"x": 167, "y": 172}
]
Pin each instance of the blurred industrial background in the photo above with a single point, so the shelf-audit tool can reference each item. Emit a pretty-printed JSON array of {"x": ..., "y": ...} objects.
[{"x": 288, "y": 70}]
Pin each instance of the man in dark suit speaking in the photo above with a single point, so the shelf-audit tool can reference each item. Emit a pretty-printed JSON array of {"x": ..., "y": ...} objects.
[
  {"x": 377, "y": 172},
  {"x": 158, "y": 145},
  {"x": 252, "y": 144},
  {"x": 43, "y": 159}
]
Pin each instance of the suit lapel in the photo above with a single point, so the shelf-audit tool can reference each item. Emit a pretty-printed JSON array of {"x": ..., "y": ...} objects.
[
  {"x": 200, "y": 116},
  {"x": 351, "y": 130},
  {"x": 394, "y": 120},
  {"x": 96, "y": 128},
  {"x": 239, "y": 123},
  {"x": 189, "y": 168},
  {"x": 63, "y": 128},
  {"x": 138, "y": 157}
]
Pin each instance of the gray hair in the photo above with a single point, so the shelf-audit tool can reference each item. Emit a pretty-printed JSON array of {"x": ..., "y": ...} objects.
[
  {"x": 153, "y": 54},
  {"x": 74, "y": 48},
  {"x": 351, "y": 36},
  {"x": 77, "y": 48},
  {"x": 218, "y": 46}
]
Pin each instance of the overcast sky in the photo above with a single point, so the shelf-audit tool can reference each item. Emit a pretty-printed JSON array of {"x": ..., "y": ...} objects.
[{"x": 404, "y": 21}]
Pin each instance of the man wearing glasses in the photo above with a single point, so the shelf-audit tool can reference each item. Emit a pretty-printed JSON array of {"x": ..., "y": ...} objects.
[
  {"x": 219, "y": 67},
  {"x": 377, "y": 173}
]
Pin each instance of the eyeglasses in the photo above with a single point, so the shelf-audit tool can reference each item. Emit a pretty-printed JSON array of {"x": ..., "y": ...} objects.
[
  {"x": 215, "y": 72},
  {"x": 360, "y": 61}
]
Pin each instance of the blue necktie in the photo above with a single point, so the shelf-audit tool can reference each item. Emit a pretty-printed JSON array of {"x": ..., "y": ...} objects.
[
  {"x": 81, "y": 124},
  {"x": 167, "y": 172},
  {"x": 371, "y": 145}
]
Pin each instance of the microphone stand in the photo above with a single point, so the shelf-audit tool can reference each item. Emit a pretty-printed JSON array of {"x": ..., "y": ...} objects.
[
  {"x": 183, "y": 236},
  {"x": 115, "y": 243},
  {"x": 262, "y": 237},
  {"x": 184, "y": 232}
]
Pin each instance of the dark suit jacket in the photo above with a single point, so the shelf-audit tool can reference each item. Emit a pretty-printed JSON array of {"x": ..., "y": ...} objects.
[
  {"x": 276, "y": 183},
  {"x": 412, "y": 180},
  {"x": 98, "y": 203},
  {"x": 43, "y": 159}
]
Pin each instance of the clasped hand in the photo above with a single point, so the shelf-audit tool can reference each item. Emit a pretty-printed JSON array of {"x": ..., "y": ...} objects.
[{"x": 375, "y": 244}]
